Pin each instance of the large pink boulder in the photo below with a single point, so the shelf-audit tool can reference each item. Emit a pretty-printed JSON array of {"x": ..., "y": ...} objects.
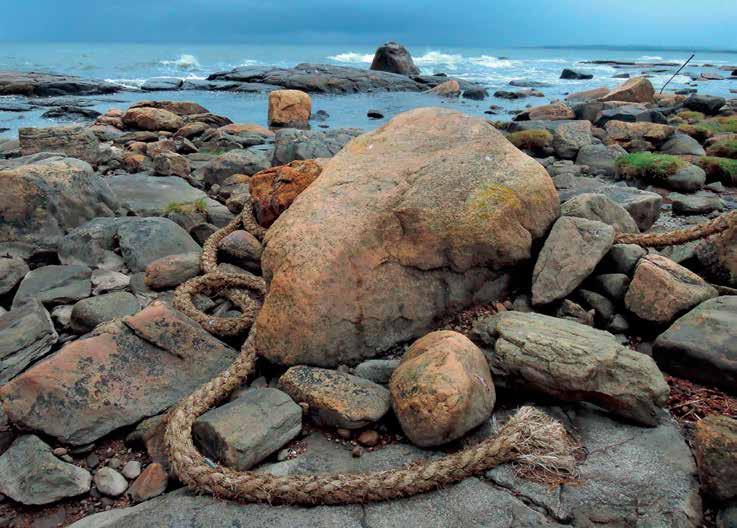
[{"x": 407, "y": 223}]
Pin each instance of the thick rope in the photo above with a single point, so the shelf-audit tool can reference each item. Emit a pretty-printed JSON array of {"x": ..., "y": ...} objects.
[{"x": 530, "y": 437}]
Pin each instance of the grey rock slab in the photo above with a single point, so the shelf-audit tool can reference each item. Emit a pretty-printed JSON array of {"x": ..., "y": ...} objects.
[
  {"x": 377, "y": 370},
  {"x": 571, "y": 361},
  {"x": 12, "y": 271},
  {"x": 88, "y": 313},
  {"x": 293, "y": 144},
  {"x": 144, "y": 240},
  {"x": 151, "y": 195},
  {"x": 601, "y": 208},
  {"x": 31, "y": 474},
  {"x": 54, "y": 285},
  {"x": 26, "y": 335},
  {"x": 243, "y": 432},
  {"x": 571, "y": 252},
  {"x": 680, "y": 144},
  {"x": 699, "y": 203}
]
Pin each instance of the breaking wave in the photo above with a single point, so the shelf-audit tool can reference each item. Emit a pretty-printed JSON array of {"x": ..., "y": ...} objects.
[
  {"x": 183, "y": 62},
  {"x": 352, "y": 58}
]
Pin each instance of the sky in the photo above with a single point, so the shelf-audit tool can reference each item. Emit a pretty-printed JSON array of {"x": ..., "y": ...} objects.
[{"x": 471, "y": 23}]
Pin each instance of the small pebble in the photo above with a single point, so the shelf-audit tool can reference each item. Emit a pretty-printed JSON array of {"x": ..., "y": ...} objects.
[
  {"x": 368, "y": 438},
  {"x": 357, "y": 452},
  {"x": 115, "y": 463},
  {"x": 345, "y": 434},
  {"x": 60, "y": 451},
  {"x": 92, "y": 460},
  {"x": 132, "y": 469}
]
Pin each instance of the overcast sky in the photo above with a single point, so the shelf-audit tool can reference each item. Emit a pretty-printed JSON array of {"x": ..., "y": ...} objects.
[{"x": 500, "y": 23}]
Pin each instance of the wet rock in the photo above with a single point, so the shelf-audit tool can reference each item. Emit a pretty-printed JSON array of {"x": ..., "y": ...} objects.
[
  {"x": 715, "y": 448},
  {"x": 602, "y": 209},
  {"x": 109, "y": 482},
  {"x": 30, "y": 474},
  {"x": 336, "y": 399},
  {"x": 661, "y": 290},
  {"x": 162, "y": 84},
  {"x": 38, "y": 214},
  {"x": 151, "y": 483},
  {"x": 682, "y": 144},
  {"x": 125, "y": 372},
  {"x": 273, "y": 190},
  {"x": 600, "y": 157},
  {"x": 442, "y": 389},
  {"x": 88, "y": 313},
  {"x": 702, "y": 344},
  {"x": 152, "y": 195},
  {"x": 568, "y": 138},
  {"x": 686, "y": 204},
  {"x": 172, "y": 270},
  {"x": 630, "y": 114},
  {"x": 289, "y": 108},
  {"x": 418, "y": 241},
  {"x": 246, "y": 162},
  {"x": 153, "y": 119},
  {"x": 54, "y": 285},
  {"x": 394, "y": 58},
  {"x": 377, "y": 370},
  {"x": 12, "y": 271},
  {"x": 634, "y": 90},
  {"x": 34, "y": 84},
  {"x": 706, "y": 104},
  {"x": 71, "y": 113},
  {"x": 567, "y": 73},
  {"x": 571, "y": 252},
  {"x": 26, "y": 335},
  {"x": 291, "y": 144},
  {"x": 145, "y": 240},
  {"x": 573, "y": 362},
  {"x": 242, "y": 433}
]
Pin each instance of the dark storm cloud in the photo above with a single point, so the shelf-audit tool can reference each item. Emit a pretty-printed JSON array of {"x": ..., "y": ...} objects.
[{"x": 460, "y": 22}]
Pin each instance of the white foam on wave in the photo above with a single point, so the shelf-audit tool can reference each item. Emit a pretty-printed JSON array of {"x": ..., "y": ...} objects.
[
  {"x": 352, "y": 58},
  {"x": 649, "y": 58},
  {"x": 127, "y": 83},
  {"x": 184, "y": 62},
  {"x": 437, "y": 57},
  {"x": 488, "y": 61}
]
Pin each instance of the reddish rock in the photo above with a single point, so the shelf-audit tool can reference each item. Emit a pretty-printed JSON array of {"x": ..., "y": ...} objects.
[
  {"x": 134, "y": 163},
  {"x": 172, "y": 270},
  {"x": 634, "y": 90},
  {"x": 625, "y": 133},
  {"x": 548, "y": 112},
  {"x": 442, "y": 389},
  {"x": 715, "y": 449},
  {"x": 273, "y": 190},
  {"x": 171, "y": 164},
  {"x": 126, "y": 371},
  {"x": 238, "y": 128},
  {"x": 447, "y": 89},
  {"x": 182, "y": 108},
  {"x": 405, "y": 224},
  {"x": 289, "y": 108},
  {"x": 153, "y": 119},
  {"x": 149, "y": 484}
]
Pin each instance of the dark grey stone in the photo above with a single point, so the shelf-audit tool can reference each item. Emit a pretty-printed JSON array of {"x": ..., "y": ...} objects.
[
  {"x": 88, "y": 313},
  {"x": 54, "y": 285},
  {"x": 26, "y": 335}
]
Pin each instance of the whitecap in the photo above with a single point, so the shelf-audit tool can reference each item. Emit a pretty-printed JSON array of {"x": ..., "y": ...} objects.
[
  {"x": 352, "y": 57},
  {"x": 127, "y": 83},
  {"x": 436, "y": 57},
  {"x": 488, "y": 61},
  {"x": 185, "y": 62},
  {"x": 649, "y": 58}
]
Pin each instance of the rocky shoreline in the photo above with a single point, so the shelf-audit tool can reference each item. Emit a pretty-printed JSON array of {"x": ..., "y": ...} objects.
[{"x": 424, "y": 280}]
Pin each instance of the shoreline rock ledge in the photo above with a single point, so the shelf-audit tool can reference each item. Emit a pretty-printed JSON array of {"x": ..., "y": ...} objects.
[
  {"x": 35, "y": 84},
  {"x": 410, "y": 222}
]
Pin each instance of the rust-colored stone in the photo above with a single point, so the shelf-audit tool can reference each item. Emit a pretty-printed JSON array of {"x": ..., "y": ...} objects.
[
  {"x": 289, "y": 108},
  {"x": 273, "y": 190}
]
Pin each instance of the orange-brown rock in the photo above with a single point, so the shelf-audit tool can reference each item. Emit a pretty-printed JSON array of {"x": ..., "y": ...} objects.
[
  {"x": 150, "y": 483},
  {"x": 238, "y": 128},
  {"x": 191, "y": 130},
  {"x": 441, "y": 389},
  {"x": 624, "y": 133},
  {"x": 289, "y": 108},
  {"x": 124, "y": 372},
  {"x": 153, "y": 119},
  {"x": 551, "y": 112},
  {"x": 634, "y": 90},
  {"x": 336, "y": 399},
  {"x": 587, "y": 95},
  {"x": 273, "y": 190},
  {"x": 157, "y": 147},
  {"x": 715, "y": 450},
  {"x": 171, "y": 164},
  {"x": 133, "y": 162},
  {"x": 447, "y": 89},
  {"x": 407, "y": 223},
  {"x": 181, "y": 108},
  {"x": 662, "y": 290}
]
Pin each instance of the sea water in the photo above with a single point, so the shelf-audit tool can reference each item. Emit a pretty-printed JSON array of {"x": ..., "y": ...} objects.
[{"x": 130, "y": 65}]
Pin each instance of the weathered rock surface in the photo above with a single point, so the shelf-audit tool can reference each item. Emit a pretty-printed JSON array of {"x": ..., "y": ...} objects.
[
  {"x": 246, "y": 162},
  {"x": 54, "y": 285},
  {"x": 377, "y": 370},
  {"x": 600, "y": 157},
  {"x": 715, "y": 448},
  {"x": 571, "y": 252},
  {"x": 118, "y": 376},
  {"x": 394, "y": 58},
  {"x": 393, "y": 234},
  {"x": 600, "y": 208},
  {"x": 152, "y": 195},
  {"x": 31, "y": 474},
  {"x": 699, "y": 203},
  {"x": 12, "y": 271},
  {"x": 289, "y": 108},
  {"x": 274, "y": 190},
  {"x": 74, "y": 141},
  {"x": 154, "y": 119},
  {"x": 662, "y": 290},
  {"x": 240, "y": 434},
  {"x": 336, "y": 399},
  {"x": 634, "y": 90},
  {"x": 569, "y": 137},
  {"x": 172, "y": 270},
  {"x": 680, "y": 144},
  {"x": 572, "y": 362},
  {"x": 702, "y": 344},
  {"x": 442, "y": 389},
  {"x": 42, "y": 201},
  {"x": 88, "y": 313},
  {"x": 144, "y": 240},
  {"x": 152, "y": 482},
  {"x": 718, "y": 255},
  {"x": 26, "y": 335},
  {"x": 291, "y": 144},
  {"x": 34, "y": 84}
]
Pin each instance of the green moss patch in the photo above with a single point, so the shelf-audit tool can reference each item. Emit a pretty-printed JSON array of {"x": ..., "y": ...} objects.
[
  {"x": 720, "y": 125},
  {"x": 718, "y": 169},
  {"x": 198, "y": 206},
  {"x": 648, "y": 166},
  {"x": 690, "y": 116},
  {"x": 723, "y": 149}
]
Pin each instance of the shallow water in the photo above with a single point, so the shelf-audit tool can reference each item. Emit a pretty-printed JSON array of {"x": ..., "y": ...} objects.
[{"x": 130, "y": 65}]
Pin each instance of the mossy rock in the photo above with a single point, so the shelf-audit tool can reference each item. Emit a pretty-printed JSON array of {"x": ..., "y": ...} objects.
[
  {"x": 698, "y": 132},
  {"x": 718, "y": 169},
  {"x": 723, "y": 149},
  {"x": 648, "y": 166},
  {"x": 198, "y": 206},
  {"x": 534, "y": 140},
  {"x": 720, "y": 125},
  {"x": 690, "y": 116}
]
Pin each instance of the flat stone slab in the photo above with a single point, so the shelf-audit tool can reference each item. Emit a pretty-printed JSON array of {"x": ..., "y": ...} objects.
[
  {"x": 46, "y": 84},
  {"x": 54, "y": 285},
  {"x": 151, "y": 195},
  {"x": 121, "y": 374},
  {"x": 26, "y": 335}
]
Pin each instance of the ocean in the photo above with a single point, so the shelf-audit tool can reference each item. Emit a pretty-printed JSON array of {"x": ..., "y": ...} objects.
[{"x": 131, "y": 64}]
